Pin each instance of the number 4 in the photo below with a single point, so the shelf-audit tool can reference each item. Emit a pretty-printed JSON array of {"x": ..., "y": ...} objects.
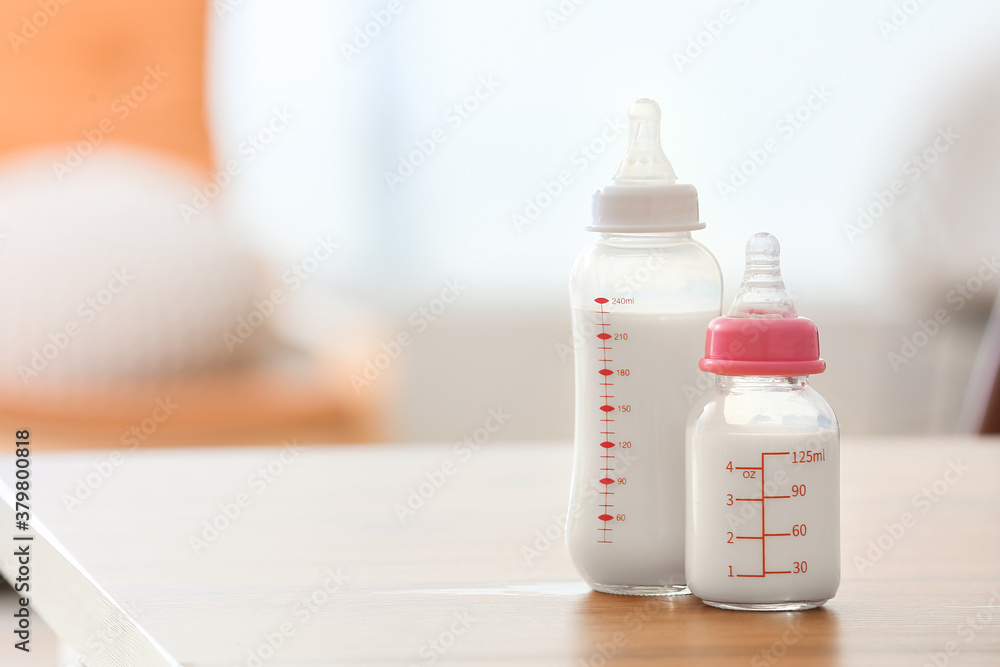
[{"x": 730, "y": 466}]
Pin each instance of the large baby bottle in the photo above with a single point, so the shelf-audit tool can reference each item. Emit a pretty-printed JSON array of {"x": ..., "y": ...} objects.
[
  {"x": 642, "y": 295},
  {"x": 763, "y": 456}
]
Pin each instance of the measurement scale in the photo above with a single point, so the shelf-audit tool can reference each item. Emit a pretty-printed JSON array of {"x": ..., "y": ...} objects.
[
  {"x": 607, "y": 466},
  {"x": 794, "y": 529}
]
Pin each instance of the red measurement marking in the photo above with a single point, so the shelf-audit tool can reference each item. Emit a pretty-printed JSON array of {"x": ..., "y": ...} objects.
[
  {"x": 608, "y": 467},
  {"x": 763, "y": 524},
  {"x": 763, "y": 530}
]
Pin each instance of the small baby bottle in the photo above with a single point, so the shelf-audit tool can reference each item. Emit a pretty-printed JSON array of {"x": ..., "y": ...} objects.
[
  {"x": 641, "y": 297},
  {"x": 763, "y": 456}
]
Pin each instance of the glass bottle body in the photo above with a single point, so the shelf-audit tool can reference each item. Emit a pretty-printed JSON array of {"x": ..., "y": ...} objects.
[
  {"x": 640, "y": 305},
  {"x": 763, "y": 480}
]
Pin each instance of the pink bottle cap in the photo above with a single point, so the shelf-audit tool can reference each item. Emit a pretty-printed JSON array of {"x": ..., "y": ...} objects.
[{"x": 762, "y": 334}]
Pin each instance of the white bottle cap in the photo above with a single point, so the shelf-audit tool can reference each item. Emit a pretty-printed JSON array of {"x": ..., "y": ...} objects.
[{"x": 645, "y": 195}]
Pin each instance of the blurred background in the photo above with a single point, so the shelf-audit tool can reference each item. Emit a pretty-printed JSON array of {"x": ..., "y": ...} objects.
[{"x": 243, "y": 221}]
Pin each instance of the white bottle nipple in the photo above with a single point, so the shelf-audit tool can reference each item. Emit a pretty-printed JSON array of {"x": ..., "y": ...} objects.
[
  {"x": 763, "y": 293},
  {"x": 644, "y": 162}
]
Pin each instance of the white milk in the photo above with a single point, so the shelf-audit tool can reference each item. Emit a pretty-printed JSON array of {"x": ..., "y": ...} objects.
[
  {"x": 630, "y": 532},
  {"x": 799, "y": 555}
]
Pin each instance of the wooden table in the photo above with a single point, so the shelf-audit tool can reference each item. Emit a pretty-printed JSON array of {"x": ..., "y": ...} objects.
[{"x": 313, "y": 563}]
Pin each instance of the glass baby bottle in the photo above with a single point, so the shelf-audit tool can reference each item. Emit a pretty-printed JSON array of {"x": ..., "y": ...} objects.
[
  {"x": 763, "y": 456},
  {"x": 641, "y": 295}
]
